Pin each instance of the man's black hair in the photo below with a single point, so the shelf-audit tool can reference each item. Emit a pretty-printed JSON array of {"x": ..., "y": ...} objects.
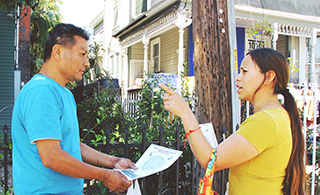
[{"x": 63, "y": 34}]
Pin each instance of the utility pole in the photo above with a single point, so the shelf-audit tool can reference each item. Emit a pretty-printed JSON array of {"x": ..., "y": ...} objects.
[
  {"x": 212, "y": 71},
  {"x": 24, "y": 45}
]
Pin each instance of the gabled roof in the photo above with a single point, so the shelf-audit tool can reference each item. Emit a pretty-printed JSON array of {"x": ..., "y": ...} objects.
[{"x": 145, "y": 18}]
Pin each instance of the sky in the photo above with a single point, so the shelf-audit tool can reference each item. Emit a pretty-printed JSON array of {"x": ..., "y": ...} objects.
[{"x": 80, "y": 12}]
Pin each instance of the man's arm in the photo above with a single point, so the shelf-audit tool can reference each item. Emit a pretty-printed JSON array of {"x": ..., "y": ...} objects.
[
  {"x": 95, "y": 157},
  {"x": 53, "y": 157}
]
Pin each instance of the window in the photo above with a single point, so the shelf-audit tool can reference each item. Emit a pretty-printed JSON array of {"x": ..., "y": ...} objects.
[
  {"x": 317, "y": 51},
  {"x": 115, "y": 13},
  {"x": 98, "y": 33},
  {"x": 153, "y": 3},
  {"x": 317, "y": 60},
  {"x": 139, "y": 6},
  {"x": 136, "y": 73},
  {"x": 282, "y": 45},
  {"x": 155, "y": 55},
  {"x": 133, "y": 9},
  {"x": 116, "y": 68},
  {"x": 114, "y": 65}
]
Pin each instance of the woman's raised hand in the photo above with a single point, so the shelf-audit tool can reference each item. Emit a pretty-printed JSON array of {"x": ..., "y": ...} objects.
[{"x": 173, "y": 102}]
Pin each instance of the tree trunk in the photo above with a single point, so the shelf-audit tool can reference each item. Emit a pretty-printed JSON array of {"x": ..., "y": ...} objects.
[{"x": 212, "y": 70}]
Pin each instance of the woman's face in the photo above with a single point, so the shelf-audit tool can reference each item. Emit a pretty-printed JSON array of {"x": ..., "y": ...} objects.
[{"x": 249, "y": 79}]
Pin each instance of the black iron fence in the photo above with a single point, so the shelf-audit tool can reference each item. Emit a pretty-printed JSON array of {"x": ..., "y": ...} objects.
[
  {"x": 177, "y": 179},
  {"x": 180, "y": 178},
  {"x": 5, "y": 161}
]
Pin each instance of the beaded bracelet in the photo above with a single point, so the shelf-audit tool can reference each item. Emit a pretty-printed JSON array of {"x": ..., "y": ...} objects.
[{"x": 189, "y": 132}]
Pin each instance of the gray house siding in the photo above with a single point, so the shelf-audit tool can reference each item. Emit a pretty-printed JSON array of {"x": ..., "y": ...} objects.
[{"x": 305, "y": 7}]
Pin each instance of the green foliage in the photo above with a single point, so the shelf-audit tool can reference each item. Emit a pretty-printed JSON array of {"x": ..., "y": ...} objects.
[
  {"x": 293, "y": 68},
  {"x": 8, "y": 146},
  {"x": 150, "y": 113},
  {"x": 104, "y": 111},
  {"x": 11, "y": 4},
  {"x": 260, "y": 30},
  {"x": 96, "y": 59},
  {"x": 264, "y": 27},
  {"x": 44, "y": 16},
  {"x": 9, "y": 192},
  {"x": 309, "y": 162}
]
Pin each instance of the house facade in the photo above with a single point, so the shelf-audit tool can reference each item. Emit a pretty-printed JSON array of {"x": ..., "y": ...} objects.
[
  {"x": 7, "y": 64},
  {"x": 295, "y": 32},
  {"x": 155, "y": 36},
  {"x": 145, "y": 37}
]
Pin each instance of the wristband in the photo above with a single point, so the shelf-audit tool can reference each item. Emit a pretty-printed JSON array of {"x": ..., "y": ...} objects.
[{"x": 189, "y": 132}]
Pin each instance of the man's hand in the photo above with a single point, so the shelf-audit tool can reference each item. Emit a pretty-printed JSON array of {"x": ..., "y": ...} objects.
[
  {"x": 116, "y": 181},
  {"x": 124, "y": 163}
]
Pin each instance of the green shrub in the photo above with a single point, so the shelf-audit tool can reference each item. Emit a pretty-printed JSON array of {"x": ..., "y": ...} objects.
[{"x": 104, "y": 111}]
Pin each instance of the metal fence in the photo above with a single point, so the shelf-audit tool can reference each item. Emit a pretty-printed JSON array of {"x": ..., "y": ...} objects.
[
  {"x": 174, "y": 180},
  {"x": 307, "y": 97},
  {"x": 5, "y": 160},
  {"x": 158, "y": 180}
]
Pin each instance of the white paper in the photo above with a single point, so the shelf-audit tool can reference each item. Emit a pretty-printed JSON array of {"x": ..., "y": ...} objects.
[
  {"x": 155, "y": 159},
  {"x": 134, "y": 189},
  {"x": 208, "y": 132}
]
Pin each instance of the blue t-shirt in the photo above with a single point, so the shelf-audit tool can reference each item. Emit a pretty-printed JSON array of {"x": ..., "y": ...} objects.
[{"x": 43, "y": 110}]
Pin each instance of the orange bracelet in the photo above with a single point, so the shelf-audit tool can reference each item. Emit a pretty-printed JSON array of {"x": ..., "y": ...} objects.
[{"x": 189, "y": 132}]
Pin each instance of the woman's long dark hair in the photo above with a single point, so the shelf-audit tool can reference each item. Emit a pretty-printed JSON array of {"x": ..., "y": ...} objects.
[{"x": 268, "y": 59}]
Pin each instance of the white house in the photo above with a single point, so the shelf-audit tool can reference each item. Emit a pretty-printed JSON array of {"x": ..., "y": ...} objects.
[
  {"x": 143, "y": 37},
  {"x": 156, "y": 35}
]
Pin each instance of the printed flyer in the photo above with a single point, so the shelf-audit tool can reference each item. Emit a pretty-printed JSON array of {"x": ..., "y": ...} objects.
[
  {"x": 208, "y": 132},
  {"x": 155, "y": 159}
]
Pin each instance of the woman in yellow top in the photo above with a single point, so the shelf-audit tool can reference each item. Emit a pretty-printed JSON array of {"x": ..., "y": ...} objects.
[{"x": 265, "y": 155}]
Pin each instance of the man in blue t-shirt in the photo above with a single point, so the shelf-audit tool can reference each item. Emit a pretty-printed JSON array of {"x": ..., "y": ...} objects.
[{"x": 48, "y": 157}]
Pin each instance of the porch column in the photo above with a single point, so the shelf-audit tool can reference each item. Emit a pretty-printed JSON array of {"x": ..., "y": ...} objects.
[
  {"x": 180, "y": 56},
  {"x": 314, "y": 82},
  {"x": 181, "y": 23},
  {"x": 145, "y": 41},
  {"x": 233, "y": 65},
  {"x": 275, "y": 35},
  {"x": 302, "y": 60},
  {"x": 124, "y": 57},
  {"x": 312, "y": 64},
  {"x": 120, "y": 67}
]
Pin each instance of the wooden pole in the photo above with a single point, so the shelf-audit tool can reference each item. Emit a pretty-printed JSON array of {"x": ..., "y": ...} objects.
[{"x": 212, "y": 70}]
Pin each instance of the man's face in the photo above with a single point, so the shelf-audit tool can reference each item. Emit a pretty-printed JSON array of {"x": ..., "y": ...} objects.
[{"x": 74, "y": 60}]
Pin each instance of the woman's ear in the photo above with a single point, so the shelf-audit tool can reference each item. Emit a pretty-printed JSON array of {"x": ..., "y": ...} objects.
[{"x": 270, "y": 77}]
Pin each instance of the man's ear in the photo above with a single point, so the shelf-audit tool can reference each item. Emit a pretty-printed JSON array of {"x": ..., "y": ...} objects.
[
  {"x": 270, "y": 77},
  {"x": 56, "y": 52}
]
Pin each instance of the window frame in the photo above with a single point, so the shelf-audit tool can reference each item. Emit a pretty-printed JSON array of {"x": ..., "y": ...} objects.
[
  {"x": 152, "y": 61},
  {"x": 114, "y": 65}
]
